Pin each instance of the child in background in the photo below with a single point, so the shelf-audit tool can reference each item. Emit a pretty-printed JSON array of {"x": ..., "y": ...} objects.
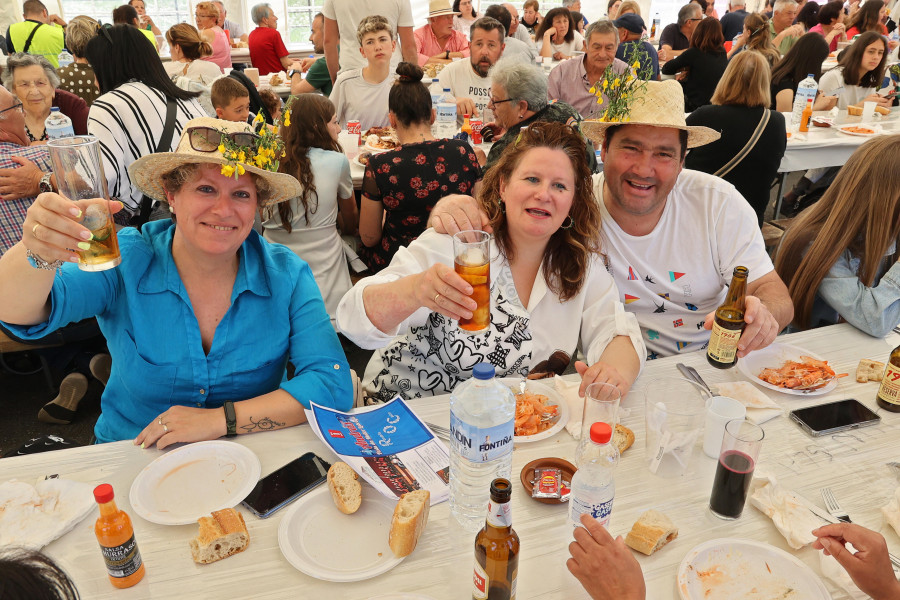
[
  {"x": 230, "y": 99},
  {"x": 272, "y": 101}
]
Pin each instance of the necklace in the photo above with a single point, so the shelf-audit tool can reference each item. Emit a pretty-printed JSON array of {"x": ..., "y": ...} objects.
[{"x": 42, "y": 138}]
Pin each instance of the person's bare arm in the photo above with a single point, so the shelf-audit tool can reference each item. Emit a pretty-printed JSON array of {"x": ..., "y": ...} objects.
[
  {"x": 869, "y": 567},
  {"x": 466, "y": 106},
  {"x": 792, "y": 31},
  {"x": 604, "y": 566},
  {"x": 349, "y": 215},
  {"x": 546, "y": 46},
  {"x": 371, "y": 217},
  {"x": 618, "y": 365},
  {"x": 332, "y": 37},
  {"x": 408, "y": 44},
  {"x": 784, "y": 100},
  {"x": 670, "y": 53},
  {"x": 286, "y": 61}
]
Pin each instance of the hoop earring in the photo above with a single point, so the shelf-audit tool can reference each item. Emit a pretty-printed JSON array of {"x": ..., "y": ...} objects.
[{"x": 570, "y": 225}]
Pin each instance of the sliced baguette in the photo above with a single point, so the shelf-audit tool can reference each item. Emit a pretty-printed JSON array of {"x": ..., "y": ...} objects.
[
  {"x": 856, "y": 110},
  {"x": 869, "y": 370},
  {"x": 346, "y": 491},
  {"x": 221, "y": 535},
  {"x": 651, "y": 531},
  {"x": 623, "y": 438},
  {"x": 408, "y": 523}
]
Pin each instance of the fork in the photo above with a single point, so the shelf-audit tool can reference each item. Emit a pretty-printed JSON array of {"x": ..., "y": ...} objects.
[{"x": 833, "y": 506}]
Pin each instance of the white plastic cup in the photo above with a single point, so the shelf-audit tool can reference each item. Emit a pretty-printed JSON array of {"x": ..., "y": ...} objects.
[
  {"x": 548, "y": 61},
  {"x": 719, "y": 410},
  {"x": 868, "y": 112},
  {"x": 252, "y": 74}
]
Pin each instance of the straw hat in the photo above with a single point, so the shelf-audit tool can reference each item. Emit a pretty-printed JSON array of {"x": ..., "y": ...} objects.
[
  {"x": 439, "y": 8},
  {"x": 660, "y": 104},
  {"x": 147, "y": 171}
]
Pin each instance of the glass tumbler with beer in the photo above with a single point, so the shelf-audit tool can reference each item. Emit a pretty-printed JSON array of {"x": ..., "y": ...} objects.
[
  {"x": 79, "y": 177},
  {"x": 737, "y": 460},
  {"x": 472, "y": 261}
]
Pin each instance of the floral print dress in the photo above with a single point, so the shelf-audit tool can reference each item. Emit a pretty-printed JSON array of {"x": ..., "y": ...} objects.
[{"x": 408, "y": 181}]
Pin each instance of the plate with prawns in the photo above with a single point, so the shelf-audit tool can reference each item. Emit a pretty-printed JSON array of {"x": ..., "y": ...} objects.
[
  {"x": 540, "y": 411},
  {"x": 790, "y": 370}
]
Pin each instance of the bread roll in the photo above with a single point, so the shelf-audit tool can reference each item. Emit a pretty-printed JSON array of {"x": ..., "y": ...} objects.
[
  {"x": 346, "y": 491},
  {"x": 856, "y": 110},
  {"x": 221, "y": 535},
  {"x": 623, "y": 438},
  {"x": 652, "y": 531},
  {"x": 408, "y": 523},
  {"x": 869, "y": 370}
]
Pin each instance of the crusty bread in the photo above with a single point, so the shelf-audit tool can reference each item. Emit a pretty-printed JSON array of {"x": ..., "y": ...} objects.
[
  {"x": 651, "y": 531},
  {"x": 221, "y": 535},
  {"x": 623, "y": 438},
  {"x": 869, "y": 370},
  {"x": 855, "y": 110},
  {"x": 408, "y": 523},
  {"x": 346, "y": 491}
]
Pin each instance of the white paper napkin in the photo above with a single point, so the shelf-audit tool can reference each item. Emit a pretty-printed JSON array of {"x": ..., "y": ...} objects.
[
  {"x": 569, "y": 391},
  {"x": 891, "y": 511},
  {"x": 792, "y": 519},
  {"x": 760, "y": 408},
  {"x": 34, "y": 516}
]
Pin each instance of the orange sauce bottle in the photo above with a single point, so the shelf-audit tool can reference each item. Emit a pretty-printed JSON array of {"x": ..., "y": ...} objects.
[
  {"x": 805, "y": 116},
  {"x": 116, "y": 537},
  {"x": 466, "y": 126}
]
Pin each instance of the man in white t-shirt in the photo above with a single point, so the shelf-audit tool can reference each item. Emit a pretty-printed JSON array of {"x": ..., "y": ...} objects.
[
  {"x": 362, "y": 94},
  {"x": 513, "y": 46},
  {"x": 672, "y": 237},
  {"x": 342, "y": 18},
  {"x": 469, "y": 79},
  {"x": 520, "y": 33}
]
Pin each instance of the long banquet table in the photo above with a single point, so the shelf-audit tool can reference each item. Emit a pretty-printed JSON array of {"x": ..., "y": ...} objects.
[{"x": 441, "y": 566}]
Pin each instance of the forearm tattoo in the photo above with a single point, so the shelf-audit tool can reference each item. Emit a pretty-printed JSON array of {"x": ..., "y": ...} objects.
[{"x": 263, "y": 424}]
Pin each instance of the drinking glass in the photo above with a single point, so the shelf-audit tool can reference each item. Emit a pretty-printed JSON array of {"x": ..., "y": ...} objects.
[
  {"x": 79, "y": 176},
  {"x": 472, "y": 261},
  {"x": 601, "y": 404},
  {"x": 674, "y": 421},
  {"x": 737, "y": 459}
]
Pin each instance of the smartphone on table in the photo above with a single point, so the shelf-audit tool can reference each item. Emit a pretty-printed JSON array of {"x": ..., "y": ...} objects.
[
  {"x": 826, "y": 419},
  {"x": 284, "y": 485}
]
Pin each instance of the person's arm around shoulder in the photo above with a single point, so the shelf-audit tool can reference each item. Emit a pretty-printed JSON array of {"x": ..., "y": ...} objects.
[
  {"x": 604, "y": 566},
  {"x": 332, "y": 37},
  {"x": 870, "y": 567}
]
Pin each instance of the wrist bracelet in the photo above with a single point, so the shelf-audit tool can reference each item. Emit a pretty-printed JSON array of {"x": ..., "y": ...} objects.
[{"x": 39, "y": 263}]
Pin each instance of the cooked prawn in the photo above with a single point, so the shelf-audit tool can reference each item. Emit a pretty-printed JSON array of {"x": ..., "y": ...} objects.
[
  {"x": 793, "y": 374},
  {"x": 533, "y": 413}
]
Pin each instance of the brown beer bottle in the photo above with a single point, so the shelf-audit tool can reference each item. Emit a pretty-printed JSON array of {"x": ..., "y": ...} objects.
[
  {"x": 888, "y": 396},
  {"x": 728, "y": 323},
  {"x": 497, "y": 548}
]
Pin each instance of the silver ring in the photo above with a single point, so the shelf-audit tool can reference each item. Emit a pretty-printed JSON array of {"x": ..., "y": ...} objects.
[
  {"x": 165, "y": 428},
  {"x": 436, "y": 296}
]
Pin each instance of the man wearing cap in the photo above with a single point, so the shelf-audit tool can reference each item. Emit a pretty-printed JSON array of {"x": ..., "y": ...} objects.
[
  {"x": 437, "y": 41},
  {"x": 572, "y": 79},
  {"x": 676, "y": 37},
  {"x": 671, "y": 236},
  {"x": 631, "y": 28}
]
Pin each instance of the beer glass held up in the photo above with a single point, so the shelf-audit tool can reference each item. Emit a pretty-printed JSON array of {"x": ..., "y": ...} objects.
[
  {"x": 472, "y": 261},
  {"x": 79, "y": 176}
]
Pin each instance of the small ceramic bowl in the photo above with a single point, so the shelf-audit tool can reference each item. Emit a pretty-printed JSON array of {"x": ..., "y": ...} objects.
[{"x": 527, "y": 476}]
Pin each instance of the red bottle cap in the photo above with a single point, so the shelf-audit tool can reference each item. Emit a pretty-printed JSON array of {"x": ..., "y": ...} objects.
[
  {"x": 601, "y": 432},
  {"x": 103, "y": 493},
  {"x": 465, "y": 115}
]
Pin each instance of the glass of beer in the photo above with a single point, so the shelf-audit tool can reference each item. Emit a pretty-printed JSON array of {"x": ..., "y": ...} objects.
[
  {"x": 737, "y": 460},
  {"x": 472, "y": 261},
  {"x": 79, "y": 176}
]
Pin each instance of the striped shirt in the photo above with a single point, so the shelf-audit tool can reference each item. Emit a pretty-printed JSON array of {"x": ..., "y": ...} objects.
[
  {"x": 12, "y": 212},
  {"x": 129, "y": 121}
]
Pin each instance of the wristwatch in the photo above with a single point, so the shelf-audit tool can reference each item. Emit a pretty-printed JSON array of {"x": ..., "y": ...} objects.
[
  {"x": 45, "y": 185},
  {"x": 293, "y": 72},
  {"x": 447, "y": 55},
  {"x": 230, "y": 419}
]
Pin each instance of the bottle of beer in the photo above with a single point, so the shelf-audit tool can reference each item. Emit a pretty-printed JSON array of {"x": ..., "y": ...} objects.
[
  {"x": 497, "y": 548},
  {"x": 888, "y": 396},
  {"x": 729, "y": 323}
]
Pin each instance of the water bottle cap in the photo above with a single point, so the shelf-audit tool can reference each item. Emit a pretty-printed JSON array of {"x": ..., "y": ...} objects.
[
  {"x": 446, "y": 89},
  {"x": 811, "y": 76},
  {"x": 483, "y": 370},
  {"x": 54, "y": 109},
  {"x": 601, "y": 433}
]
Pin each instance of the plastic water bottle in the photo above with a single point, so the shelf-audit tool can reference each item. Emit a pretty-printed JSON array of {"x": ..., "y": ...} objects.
[
  {"x": 482, "y": 414},
  {"x": 58, "y": 125},
  {"x": 65, "y": 59},
  {"x": 446, "y": 128},
  {"x": 806, "y": 89},
  {"x": 593, "y": 488}
]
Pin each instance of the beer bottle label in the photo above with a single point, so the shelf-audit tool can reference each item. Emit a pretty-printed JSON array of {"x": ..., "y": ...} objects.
[
  {"x": 499, "y": 514},
  {"x": 482, "y": 445},
  {"x": 723, "y": 343},
  {"x": 890, "y": 385},
  {"x": 480, "y": 583},
  {"x": 122, "y": 561}
]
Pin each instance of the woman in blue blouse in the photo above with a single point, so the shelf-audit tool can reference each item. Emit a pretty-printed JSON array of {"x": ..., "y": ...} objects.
[{"x": 202, "y": 315}]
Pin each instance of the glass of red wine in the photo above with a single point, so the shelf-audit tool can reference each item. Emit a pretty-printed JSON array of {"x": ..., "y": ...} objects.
[{"x": 737, "y": 459}]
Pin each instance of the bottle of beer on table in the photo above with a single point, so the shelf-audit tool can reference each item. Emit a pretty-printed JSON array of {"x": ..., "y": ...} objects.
[
  {"x": 728, "y": 323},
  {"x": 889, "y": 393},
  {"x": 116, "y": 536},
  {"x": 497, "y": 548}
]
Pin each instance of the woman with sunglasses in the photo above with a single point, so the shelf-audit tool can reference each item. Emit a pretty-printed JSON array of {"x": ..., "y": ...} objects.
[
  {"x": 207, "y": 16},
  {"x": 518, "y": 99},
  {"x": 202, "y": 315}
]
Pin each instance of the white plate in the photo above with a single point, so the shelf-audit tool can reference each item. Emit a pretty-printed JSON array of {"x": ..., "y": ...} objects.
[
  {"x": 536, "y": 387},
  {"x": 189, "y": 482},
  {"x": 376, "y": 150},
  {"x": 313, "y": 536},
  {"x": 733, "y": 569},
  {"x": 876, "y": 129},
  {"x": 356, "y": 159},
  {"x": 773, "y": 356}
]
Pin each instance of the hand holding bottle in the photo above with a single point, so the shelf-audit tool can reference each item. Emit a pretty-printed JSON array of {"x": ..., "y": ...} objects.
[{"x": 604, "y": 566}]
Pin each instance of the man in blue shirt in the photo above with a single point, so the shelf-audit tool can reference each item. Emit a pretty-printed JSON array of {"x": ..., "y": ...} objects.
[
  {"x": 733, "y": 22},
  {"x": 631, "y": 27}
]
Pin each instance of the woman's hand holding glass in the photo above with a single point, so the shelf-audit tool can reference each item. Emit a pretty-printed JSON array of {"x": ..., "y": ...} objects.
[
  {"x": 442, "y": 290},
  {"x": 53, "y": 229}
]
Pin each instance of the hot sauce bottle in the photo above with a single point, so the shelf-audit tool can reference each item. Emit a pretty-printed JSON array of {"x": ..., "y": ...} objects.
[
  {"x": 116, "y": 537},
  {"x": 497, "y": 548},
  {"x": 888, "y": 396},
  {"x": 728, "y": 323}
]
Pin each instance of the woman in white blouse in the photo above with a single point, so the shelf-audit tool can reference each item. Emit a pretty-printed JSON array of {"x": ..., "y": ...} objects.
[
  {"x": 558, "y": 36},
  {"x": 549, "y": 286},
  {"x": 467, "y": 15},
  {"x": 859, "y": 74},
  {"x": 187, "y": 68}
]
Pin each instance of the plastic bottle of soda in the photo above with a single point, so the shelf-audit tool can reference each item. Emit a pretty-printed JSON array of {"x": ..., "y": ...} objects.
[
  {"x": 593, "y": 488},
  {"x": 58, "y": 125},
  {"x": 116, "y": 536},
  {"x": 482, "y": 413}
]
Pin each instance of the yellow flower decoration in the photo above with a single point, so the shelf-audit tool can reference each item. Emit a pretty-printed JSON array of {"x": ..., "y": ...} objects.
[
  {"x": 258, "y": 118},
  {"x": 227, "y": 170},
  {"x": 636, "y": 65},
  {"x": 287, "y": 118},
  {"x": 605, "y": 84},
  {"x": 221, "y": 149},
  {"x": 616, "y": 83},
  {"x": 240, "y": 170}
]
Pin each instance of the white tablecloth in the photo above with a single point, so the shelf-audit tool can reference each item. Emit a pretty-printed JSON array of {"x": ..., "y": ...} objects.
[{"x": 441, "y": 566}]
